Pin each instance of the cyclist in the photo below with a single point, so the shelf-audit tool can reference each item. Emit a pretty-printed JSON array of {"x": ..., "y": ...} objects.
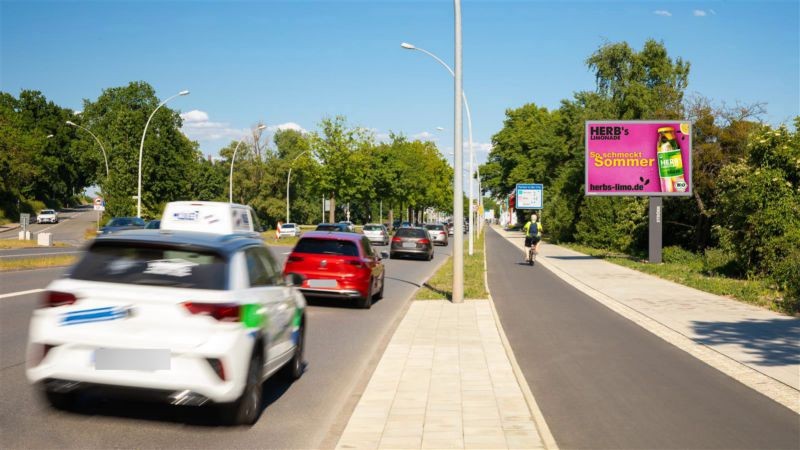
[{"x": 533, "y": 233}]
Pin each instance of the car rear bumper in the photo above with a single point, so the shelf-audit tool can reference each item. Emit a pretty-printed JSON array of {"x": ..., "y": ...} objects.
[
  {"x": 175, "y": 397},
  {"x": 411, "y": 251},
  {"x": 331, "y": 293}
]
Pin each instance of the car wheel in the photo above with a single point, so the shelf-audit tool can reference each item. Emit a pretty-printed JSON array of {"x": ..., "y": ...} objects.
[
  {"x": 247, "y": 408},
  {"x": 392, "y": 256},
  {"x": 366, "y": 302},
  {"x": 60, "y": 400},
  {"x": 294, "y": 369},
  {"x": 379, "y": 295}
]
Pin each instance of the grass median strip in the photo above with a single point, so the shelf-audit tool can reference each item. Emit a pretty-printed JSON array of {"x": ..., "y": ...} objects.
[
  {"x": 9, "y": 244},
  {"x": 440, "y": 285},
  {"x": 753, "y": 291},
  {"x": 37, "y": 263}
]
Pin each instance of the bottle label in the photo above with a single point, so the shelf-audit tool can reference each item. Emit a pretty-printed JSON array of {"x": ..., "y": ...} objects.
[{"x": 670, "y": 164}]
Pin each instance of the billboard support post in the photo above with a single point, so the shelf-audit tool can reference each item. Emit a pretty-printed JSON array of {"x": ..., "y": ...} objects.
[{"x": 656, "y": 227}]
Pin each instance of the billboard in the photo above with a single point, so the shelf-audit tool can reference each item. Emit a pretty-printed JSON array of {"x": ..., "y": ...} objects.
[
  {"x": 529, "y": 196},
  {"x": 639, "y": 157}
]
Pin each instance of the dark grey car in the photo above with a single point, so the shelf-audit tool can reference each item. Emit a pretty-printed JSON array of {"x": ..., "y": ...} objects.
[{"x": 415, "y": 242}]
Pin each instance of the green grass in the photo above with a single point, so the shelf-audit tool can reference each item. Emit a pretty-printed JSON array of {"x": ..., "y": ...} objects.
[
  {"x": 440, "y": 285},
  {"x": 7, "y": 244},
  {"x": 691, "y": 271},
  {"x": 37, "y": 263}
]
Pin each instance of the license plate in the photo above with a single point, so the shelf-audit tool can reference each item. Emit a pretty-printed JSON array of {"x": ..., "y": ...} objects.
[
  {"x": 322, "y": 283},
  {"x": 409, "y": 245},
  {"x": 147, "y": 359}
]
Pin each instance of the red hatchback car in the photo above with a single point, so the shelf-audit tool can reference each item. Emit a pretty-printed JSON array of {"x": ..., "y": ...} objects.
[{"x": 337, "y": 265}]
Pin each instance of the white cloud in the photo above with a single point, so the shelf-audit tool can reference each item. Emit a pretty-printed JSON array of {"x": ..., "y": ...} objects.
[
  {"x": 662, "y": 12},
  {"x": 287, "y": 126},
  {"x": 197, "y": 126},
  {"x": 424, "y": 136},
  {"x": 699, "y": 13}
]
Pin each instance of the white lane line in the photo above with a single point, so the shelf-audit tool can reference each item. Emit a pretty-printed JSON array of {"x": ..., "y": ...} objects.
[
  {"x": 15, "y": 294},
  {"x": 33, "y": 255}
]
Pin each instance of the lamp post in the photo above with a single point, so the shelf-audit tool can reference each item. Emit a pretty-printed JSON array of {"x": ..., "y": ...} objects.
[
  {"x": 141, "y": 151},
  {"x": 233, "y": 159},
  {"x": 105, "y": 158},
  {"x": 408, "y": 46},
  {"x": 289, "y": 177}
]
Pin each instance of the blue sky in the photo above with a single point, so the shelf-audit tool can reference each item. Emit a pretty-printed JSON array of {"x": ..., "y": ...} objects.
[{"x": 290, "y": 63}]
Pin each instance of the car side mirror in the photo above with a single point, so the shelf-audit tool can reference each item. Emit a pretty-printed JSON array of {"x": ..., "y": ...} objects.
[
  {"x": 384, "y": 255},
  {"x": 293, "y": 279}
]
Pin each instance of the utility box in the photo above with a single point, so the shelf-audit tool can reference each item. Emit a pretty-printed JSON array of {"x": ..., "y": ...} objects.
[
  {"x": 24, "y": 235},
  {"x": 45, "y": 239}
]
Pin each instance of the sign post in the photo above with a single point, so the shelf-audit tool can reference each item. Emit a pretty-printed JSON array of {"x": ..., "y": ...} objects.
[
  {"x": 99, "y": 206},
  {"x": 645, "y": 158}
]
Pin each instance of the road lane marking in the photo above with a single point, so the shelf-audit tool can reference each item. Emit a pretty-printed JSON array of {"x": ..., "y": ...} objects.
[
  {"x": 34, "y": 255},
  {"x": 15, "y": 294}
]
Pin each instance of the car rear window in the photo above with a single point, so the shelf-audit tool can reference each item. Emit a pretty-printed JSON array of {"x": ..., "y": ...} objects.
[
  {"x": 434, "y": 227},
  {"x": 411, "y": 232},
  {"x": 48, "y": 211},
  {"x": 326, "y": 247},
  {"x": 152, "y": 266},
  {"x": 287, "y": 225},
  {"x": 328, "y": 227},
  {"x": 372, "y": 228}
]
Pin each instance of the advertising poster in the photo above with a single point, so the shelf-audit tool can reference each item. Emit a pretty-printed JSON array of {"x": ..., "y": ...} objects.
[
  {"x": 635, "y": 157},
  {"x": 529, "y": 196}
]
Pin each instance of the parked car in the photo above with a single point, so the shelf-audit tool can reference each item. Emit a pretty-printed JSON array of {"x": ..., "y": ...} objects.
[
  {"x": 332, "y": 227},
  {"x": 350, "y": 226},
  {"x": 188, "y": 317},
  {"x": 118, "y": 224},
  {"x": 376, "y": 233},
  {"x": 289, "y": 230},
  {"x": 338, "y": 265},
  {"x": 438, "y": 233},
  {"x": 47, "y": 216},
  {"x": 410, "y": 241},
  {"x": 153, "y": 225}
]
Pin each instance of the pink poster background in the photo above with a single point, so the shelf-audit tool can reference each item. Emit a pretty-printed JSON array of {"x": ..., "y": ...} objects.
[{"x": 641, "y": 177}]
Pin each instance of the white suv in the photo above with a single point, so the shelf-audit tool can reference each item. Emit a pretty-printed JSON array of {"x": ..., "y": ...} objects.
[
  {"x": 190, "y": 317},
  {"x": 289, "y": 229}
]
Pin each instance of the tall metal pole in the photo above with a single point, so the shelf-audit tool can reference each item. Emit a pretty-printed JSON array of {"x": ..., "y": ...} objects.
[
  {"x": 458, "y": 200},
  {"x": 105, "y": 158},
  {"x": 408, "y": 46},
  {"x": 230, "y": 177},
  {"x": 141, "y": 151}
]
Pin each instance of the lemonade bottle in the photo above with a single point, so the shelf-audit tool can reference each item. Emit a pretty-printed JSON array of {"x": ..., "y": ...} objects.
[{"x": 670, "y": 161}]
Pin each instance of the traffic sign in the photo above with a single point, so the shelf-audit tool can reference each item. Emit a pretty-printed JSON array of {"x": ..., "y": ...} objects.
[
  {"x": 99, "y": 204},
  {"x": 529, "y": 196}
]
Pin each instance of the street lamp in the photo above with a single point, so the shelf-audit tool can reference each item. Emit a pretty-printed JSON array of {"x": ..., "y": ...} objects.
[
  {"x": 408, "y": 46},
  {"x": 288, "y": 177},
  {"x": 141, "y": 151},
  {"x": 233, "y": 159},
  {"x": 73, "y": 124}
]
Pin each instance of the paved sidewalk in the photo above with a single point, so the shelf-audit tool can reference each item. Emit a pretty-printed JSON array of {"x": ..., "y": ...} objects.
[
  {"x": 760, "y": 348},
  {"x": 444, "y": 382}
]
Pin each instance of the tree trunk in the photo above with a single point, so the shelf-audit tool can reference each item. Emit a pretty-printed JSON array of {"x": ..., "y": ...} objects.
[
  {"x": 332, "y": 212},
  {"x": 391, "y": 219}
]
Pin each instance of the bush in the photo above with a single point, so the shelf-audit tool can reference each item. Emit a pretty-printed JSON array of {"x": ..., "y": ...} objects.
[
  {"x": 719, "y": 262},
  {"x": 678, "y": 255},
  {"x": 613, "y": 223}
]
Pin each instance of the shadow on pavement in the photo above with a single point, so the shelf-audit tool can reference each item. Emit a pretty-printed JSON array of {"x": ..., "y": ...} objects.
[
  {"x": 93, "y": 404},
  {"x": 775, "y": 342},
  {"x": 574, "y": 258}
]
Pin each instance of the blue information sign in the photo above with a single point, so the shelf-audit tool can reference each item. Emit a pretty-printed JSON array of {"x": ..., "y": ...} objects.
[{"x": 530, "y": 196}]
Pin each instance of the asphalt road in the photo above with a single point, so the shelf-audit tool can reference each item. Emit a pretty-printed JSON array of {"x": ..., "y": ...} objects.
[
  {"x": 343, "y": 347},
  {"x": 602, "y": 381},
  {"x": 70, "y": 229}
]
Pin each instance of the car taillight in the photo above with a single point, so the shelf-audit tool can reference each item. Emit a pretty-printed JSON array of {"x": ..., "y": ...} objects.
[
  {"x": 396, "y": 239},
  {"x": 224, "y": 312},
  {"x": 55, "y": 298},
  {"x": 293, "y": 258},
  {"x": 424, "y": 241},
  {"x": 356, "y": 263}
]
